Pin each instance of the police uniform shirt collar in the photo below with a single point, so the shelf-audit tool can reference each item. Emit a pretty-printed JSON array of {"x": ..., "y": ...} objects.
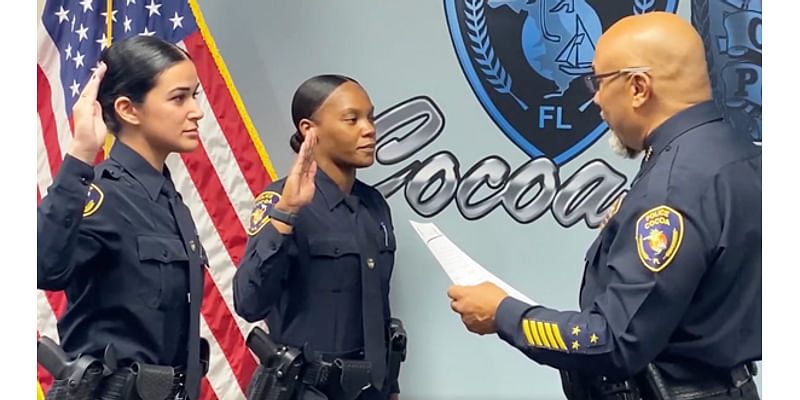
[
  {"x": 331, "y": 192},
  {"x": 139, "y": 168},
  {"x": 679, "y": 124}
]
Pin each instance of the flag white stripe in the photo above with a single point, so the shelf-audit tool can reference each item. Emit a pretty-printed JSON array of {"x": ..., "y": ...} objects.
[
  {"x": 43, "y": 177},
  {"x": 45, "y": 318}
]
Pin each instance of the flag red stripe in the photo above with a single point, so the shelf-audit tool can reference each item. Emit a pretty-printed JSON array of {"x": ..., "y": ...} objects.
[
  {"x": 227, "y": 334},
  {"x": 49, "y": 131},
  {"x": 206, "y": 392},
  {"x": 228, "y": 117}
]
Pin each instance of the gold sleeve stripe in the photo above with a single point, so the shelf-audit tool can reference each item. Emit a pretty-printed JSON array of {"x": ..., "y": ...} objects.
[
  {"x": 543, "y": 335},
  {"x": 559, "y": 339},
  {"x": 548, "y": 328},
  {"x": 527, "y": 329},
  {"x": 535, "y": 334}
]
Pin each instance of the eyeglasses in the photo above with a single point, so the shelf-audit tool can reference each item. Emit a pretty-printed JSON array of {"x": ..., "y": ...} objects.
[{"x": 593, "y": 81}]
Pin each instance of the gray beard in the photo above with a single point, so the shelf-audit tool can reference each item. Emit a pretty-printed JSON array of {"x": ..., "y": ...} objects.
[{"x": 617, "y": 146}]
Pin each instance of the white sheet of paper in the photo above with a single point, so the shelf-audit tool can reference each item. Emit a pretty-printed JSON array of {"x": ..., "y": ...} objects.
[{"x": 459, "y": 266}]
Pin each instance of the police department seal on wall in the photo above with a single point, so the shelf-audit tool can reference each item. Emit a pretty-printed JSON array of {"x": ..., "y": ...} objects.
[
  {"x": 731, "y": 31},
  {"x": 522, "y": 59}
]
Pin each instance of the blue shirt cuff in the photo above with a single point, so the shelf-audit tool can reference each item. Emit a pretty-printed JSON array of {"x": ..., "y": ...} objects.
[
  {"x": 509, "y": 316},
  {"x": 73, "y": 177}
]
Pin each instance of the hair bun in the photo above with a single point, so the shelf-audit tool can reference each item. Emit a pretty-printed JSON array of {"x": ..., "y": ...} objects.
[{"x": 296, "y": 141}]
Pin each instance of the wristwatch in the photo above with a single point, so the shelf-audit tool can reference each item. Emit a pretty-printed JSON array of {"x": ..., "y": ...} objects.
[{"x": 283, "y": 216}]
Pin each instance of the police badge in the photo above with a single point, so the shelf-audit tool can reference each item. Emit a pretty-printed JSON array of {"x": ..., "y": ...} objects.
[
  {"x": 259, "y": 217},
  {"x": 94, "y": 199},
  {"x": 659, "y": 232}
]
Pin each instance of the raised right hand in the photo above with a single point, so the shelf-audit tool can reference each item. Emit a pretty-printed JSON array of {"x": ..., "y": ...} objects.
[
  {"x": 299, "y": 187},
  {"x": 90, "y": 130}
]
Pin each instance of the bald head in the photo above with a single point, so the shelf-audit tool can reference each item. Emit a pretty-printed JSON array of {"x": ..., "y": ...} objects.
[{"x": 668, "y": 45}]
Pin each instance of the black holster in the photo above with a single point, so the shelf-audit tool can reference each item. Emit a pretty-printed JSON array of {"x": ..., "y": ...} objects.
[
  {"x": 299, "y": 377},
  {"x": 398, "y": 341},
  {"x": 82, "y": 385},
  {"x": 78, "y": 379},
  {"x": 341, "y": 379}
]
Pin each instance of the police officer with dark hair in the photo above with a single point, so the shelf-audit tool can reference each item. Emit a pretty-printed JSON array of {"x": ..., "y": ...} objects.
[
  {"x": 320, "y": 254},
  {"x": 118, "y": 239},
  {"x": 670, "y": 304}
]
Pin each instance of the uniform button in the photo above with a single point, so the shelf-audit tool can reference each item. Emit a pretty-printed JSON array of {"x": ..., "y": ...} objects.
[
  {"x": 85, "y": 181},
  {"x": 164, "y": 253},
  {"x": 336, "y": 251},
  {"x": 274, "y": 246},
  {"x": 67, "y": 222},
  {"x": 668, "y": 148},
  {"x": 370, "y": 263}
]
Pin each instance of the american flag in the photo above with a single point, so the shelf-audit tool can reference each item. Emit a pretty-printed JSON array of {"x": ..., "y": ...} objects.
[{"x": 218, "y": 181}]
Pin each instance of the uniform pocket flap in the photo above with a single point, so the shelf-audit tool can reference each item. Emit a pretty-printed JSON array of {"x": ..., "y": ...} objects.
[
  {"x": 160, "y": 248},
  {"x": 332, "y": 246}
]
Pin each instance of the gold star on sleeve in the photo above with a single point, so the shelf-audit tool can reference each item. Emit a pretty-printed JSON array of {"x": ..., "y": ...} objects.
[
  {"x": 576, "y": 330},
  {"x": 593, "y": 339},
  {"x": 575, "y": 345}
]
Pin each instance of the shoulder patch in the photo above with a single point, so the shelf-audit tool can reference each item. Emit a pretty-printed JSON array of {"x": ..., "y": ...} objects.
[
  {"x": 659, "y": 232},
  {"x": 259, "y": 218},
  {"x": 94, "y": 200}
]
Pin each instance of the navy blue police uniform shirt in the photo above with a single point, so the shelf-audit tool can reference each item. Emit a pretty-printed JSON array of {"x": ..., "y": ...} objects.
[
  {"x": 309, "y": 285},
  {"x": 674, "y": 277},
  {"x": 119, "y": 258}
]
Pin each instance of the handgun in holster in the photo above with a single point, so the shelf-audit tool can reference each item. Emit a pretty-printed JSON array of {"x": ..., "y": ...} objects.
[
  {"x": 290, "y": 373},
  {"x": 398, "y": 340},
  {"x": 77, "y": 379},
  {"x": 277, "y": 378}
]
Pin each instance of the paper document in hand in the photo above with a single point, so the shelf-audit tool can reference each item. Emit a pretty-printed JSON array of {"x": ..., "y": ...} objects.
[{"x": 459, "y": 267}]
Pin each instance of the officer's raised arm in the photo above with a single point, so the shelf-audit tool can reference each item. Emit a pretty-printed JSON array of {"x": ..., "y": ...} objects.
[
  {"x": 61, "y": 211},
  {"x": 258, "y": 281}
]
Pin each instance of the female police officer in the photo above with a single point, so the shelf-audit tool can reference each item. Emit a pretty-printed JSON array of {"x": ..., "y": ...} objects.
[
  {"x": 321, "y": 248},
  {"x": 128, "y": 257}
]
